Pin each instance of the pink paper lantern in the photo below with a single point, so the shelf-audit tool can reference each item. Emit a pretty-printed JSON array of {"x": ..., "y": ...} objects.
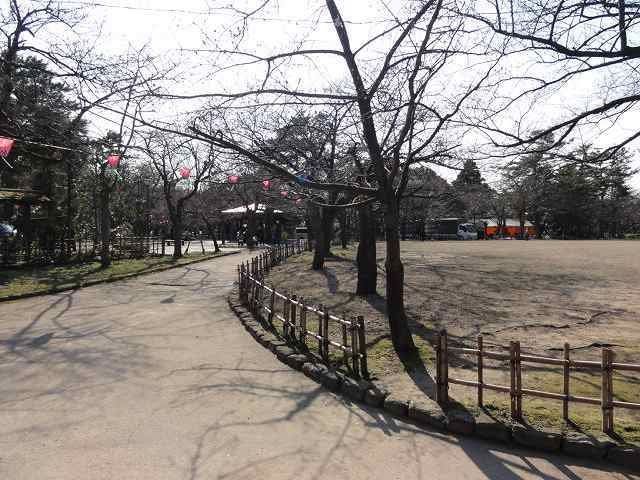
[
  {"x": 113, "y": 160},
  {"x": 266, "y": 184},
  {"x": 185, "y": 172},
  {"x": 233, "y": 179},
  {"x": 6, "y": 144},
  {"x": 284, "y": 193},
  {"x": 299, "y": 201}
]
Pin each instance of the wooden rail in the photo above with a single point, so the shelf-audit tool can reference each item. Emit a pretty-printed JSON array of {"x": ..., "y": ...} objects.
[
  {"x": 293, "y": 313},
  {"x": 17, "y": 251},
  {"x": 516, "y": 391}
]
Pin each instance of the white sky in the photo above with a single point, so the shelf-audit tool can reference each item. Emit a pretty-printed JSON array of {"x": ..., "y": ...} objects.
[{"x": 171, "y": 29}]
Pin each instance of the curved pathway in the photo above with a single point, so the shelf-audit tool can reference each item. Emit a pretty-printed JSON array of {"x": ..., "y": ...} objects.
[{"x": 154, "y": 378}]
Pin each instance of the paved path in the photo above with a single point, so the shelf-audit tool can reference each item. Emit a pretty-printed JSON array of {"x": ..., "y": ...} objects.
[{"x": 154, "y": 378}]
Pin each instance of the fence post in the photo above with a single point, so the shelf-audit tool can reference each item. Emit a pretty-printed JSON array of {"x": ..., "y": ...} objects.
[
  {"x": 565, "y": 381},
  {"x": 607, "y": 391},
  {"x": 442, "y": 370},
  {"x": 480, "y": 371},
  {"x": 303, "y": 323},
  {"x": 261, "y": 297},
  {"x": 518, "y": 381},
  {"x": 354, "y": 349},
  {"x": 345, "y": 343},
  {"x": 252, "y": 295},
  {"x": 294, "y": 299},
  {"x": 362, "y": 342},
  {"x": 512, "y": 377},
  {"x": 320, "y": 326},
  {"x": 286, "y": 308},
  {"x": 325, "y": 328},
  {"x": 272, "y": 306}
]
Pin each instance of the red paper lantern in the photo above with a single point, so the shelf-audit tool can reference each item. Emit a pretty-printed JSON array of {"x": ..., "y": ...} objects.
[
  {"x": 233, "y": 179},
  {"x": 113, "y": 160},
  {"x": 6, "y": 144},
  {"x": 299, "y": 201},
  {"x": 284, "y": 193},
  {"x": 266, "y": 184},
  {"x": 185, "y": 172}
]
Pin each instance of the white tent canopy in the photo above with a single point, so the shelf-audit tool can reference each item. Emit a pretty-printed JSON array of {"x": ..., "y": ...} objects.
[{"x": 251, "y": 207}]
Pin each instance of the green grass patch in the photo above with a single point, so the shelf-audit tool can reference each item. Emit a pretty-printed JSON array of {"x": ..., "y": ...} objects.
[{"x": 24, "y": 281}]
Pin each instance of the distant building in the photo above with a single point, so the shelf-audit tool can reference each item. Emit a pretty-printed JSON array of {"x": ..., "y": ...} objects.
[{"x": 510, "y": 228}]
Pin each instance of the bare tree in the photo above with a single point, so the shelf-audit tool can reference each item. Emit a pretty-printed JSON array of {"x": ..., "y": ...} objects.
[
  {"x": 183, "y": 166},
  {"x": 573, "y": 44},
  {"x": 20, "y": 23},
  {"x": 405, "y": 105}
]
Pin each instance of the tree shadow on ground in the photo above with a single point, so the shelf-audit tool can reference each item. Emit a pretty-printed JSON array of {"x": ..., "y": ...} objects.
[{"x": 337, "y": 436}]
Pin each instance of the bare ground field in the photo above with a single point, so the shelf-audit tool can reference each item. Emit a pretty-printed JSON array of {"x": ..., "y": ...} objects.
[{"x": 542, "y": 293}]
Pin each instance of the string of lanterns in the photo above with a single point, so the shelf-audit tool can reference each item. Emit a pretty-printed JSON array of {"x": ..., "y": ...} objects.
[
  {"x": 234, "y": 179},
  {"x": 113, "y": 161}
]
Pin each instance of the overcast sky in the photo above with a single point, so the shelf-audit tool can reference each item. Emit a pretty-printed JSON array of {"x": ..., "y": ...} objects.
[{"x": 173, "y": 30}]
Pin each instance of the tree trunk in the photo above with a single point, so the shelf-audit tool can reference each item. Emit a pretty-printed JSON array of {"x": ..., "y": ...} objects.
[
  {"x": 177, "y": 233},
  {"x": 212, "y": 234},
  {"x": 251, "y": 228},
  {"x": 366, "y": 257},
  {"x": 69, "y": 232},
  {"x": 105, "y": 228},
  {"x": 398, "y": 323},
  {"x": 327, "y": 216},
  {"x": 344, "y": 236},
  {"x": 319, "y": 243}
]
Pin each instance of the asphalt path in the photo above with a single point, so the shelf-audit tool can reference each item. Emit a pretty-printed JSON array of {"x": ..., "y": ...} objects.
[{"x": 154, "y": 378}]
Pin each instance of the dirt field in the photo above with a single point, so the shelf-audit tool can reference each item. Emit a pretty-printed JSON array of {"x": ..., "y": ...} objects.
[{"x": 542, "y": 293}]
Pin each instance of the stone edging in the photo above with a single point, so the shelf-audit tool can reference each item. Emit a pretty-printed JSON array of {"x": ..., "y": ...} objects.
[
  {"x": 109, "y": 280},
  {"x": 426, "y": 412}
]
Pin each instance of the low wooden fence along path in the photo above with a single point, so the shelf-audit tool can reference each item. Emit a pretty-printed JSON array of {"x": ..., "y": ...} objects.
[
  {"x": 607, "y": 366},
  {"x": 17, "y": 251},
  {"x": 295, "y": 317}
]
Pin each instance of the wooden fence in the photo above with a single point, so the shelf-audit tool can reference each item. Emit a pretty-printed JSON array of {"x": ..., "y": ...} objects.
[
  {"x": 607, "y": 366},
  {"x": 16, "y": 251},
  {"x": 295, "y": 317}
]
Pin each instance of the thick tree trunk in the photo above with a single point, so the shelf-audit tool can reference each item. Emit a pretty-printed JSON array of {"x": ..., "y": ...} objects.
[
  {"x": 398, "y": 323},
  {"x": 251, "y": 228},
  {"x": 344, "y": 235},
  {"x": 327, "y": 218},
  {"x": 319, "y": 242},
  {"x": 366, "y": 257}
]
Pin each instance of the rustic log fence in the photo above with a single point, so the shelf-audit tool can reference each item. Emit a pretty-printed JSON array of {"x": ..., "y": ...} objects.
[
  {"x": 607, "y": 366},
  {"x": 17, "y": 251},
  {"x": 294, "y": 316}
]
